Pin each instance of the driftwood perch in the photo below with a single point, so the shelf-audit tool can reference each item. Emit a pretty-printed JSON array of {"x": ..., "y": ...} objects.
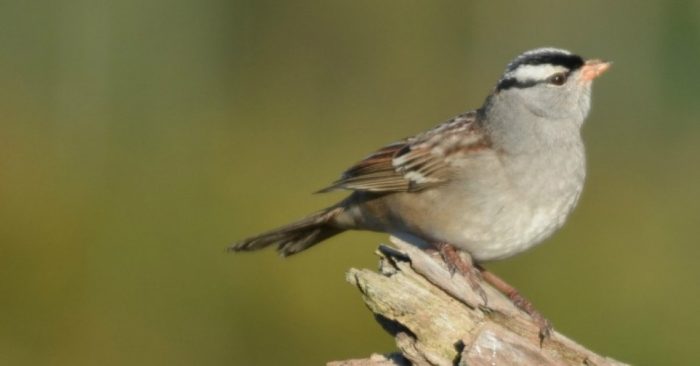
[{"x": 437, "y": 319}]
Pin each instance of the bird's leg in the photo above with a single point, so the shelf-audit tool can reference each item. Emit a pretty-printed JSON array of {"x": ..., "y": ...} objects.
[
  {"x": 474, "y": 273},
  {"x": 518, "y": 300},
  {"x": 465, "y": 266}
]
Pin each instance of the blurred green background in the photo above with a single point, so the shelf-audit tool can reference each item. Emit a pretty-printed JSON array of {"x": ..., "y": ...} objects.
[{"x": 138, "y": 139}]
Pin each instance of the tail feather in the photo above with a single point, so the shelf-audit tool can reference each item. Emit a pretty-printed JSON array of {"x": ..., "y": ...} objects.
[{"x": 295, "y": 237}]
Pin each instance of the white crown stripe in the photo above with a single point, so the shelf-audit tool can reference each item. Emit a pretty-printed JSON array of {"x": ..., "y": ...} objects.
[{"x": 524, "y": 73}]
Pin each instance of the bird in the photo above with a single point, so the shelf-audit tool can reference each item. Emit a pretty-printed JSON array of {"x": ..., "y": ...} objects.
[{"x": 489, "y": 183}]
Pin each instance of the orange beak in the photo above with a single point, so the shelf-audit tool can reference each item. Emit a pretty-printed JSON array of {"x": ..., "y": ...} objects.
[{"x": 594, "y": 68}]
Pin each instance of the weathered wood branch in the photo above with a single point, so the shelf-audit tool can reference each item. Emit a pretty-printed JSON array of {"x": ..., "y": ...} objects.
[{"x": 437, "y": 319}]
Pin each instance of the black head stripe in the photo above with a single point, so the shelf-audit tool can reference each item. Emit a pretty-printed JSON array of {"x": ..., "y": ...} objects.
[
  {"x": 539, "y": 57},
  {"x": 570, "y": 61},
  {"x": 514, "y": 83}
]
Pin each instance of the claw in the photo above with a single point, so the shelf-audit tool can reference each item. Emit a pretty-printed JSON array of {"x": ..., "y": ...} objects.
[
  {"x": 450, "y": 266},
  {"x": 525, "y": 305},
  {"x": 456, "y": 263},
  {"x": 545, "y": 330},
  {"x": 475, "y": 274},
  {"x": 545, "y": 326}
]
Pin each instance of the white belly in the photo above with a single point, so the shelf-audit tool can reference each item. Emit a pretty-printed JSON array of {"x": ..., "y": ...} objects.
[
  {"x": 512, "y": 215},
  {"x": 494, "y": 217},
  {"x": 514, "y": 230}
]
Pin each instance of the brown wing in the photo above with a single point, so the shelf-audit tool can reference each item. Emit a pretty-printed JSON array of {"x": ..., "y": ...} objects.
[{"x": 416, "y": 163}]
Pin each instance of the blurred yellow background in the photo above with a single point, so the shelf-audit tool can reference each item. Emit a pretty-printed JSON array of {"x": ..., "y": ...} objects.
[{"x": 138, "y": 139}]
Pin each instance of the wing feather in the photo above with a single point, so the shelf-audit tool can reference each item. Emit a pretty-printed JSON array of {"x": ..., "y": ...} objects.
[{"x": 415, "y": 163}]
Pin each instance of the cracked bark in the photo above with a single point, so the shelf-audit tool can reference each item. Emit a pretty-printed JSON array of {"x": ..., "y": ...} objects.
[{"x": 437, "y": 319}]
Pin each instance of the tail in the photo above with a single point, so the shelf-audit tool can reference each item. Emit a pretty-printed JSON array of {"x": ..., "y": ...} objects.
[{"x": 295, "y": 237}]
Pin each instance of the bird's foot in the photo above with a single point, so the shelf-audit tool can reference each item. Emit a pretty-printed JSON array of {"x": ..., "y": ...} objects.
[
  {"x": 465, "y": 266},
  {"x": 525, "y": 305},
  {"x": 545, "y": 326}
]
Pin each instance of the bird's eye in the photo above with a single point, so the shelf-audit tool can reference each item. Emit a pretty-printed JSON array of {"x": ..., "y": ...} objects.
[{"x": 557, "y": 79}]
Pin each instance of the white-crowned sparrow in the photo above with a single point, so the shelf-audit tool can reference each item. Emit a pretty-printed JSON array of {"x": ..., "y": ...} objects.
[{"x": 491, "y": 182}]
